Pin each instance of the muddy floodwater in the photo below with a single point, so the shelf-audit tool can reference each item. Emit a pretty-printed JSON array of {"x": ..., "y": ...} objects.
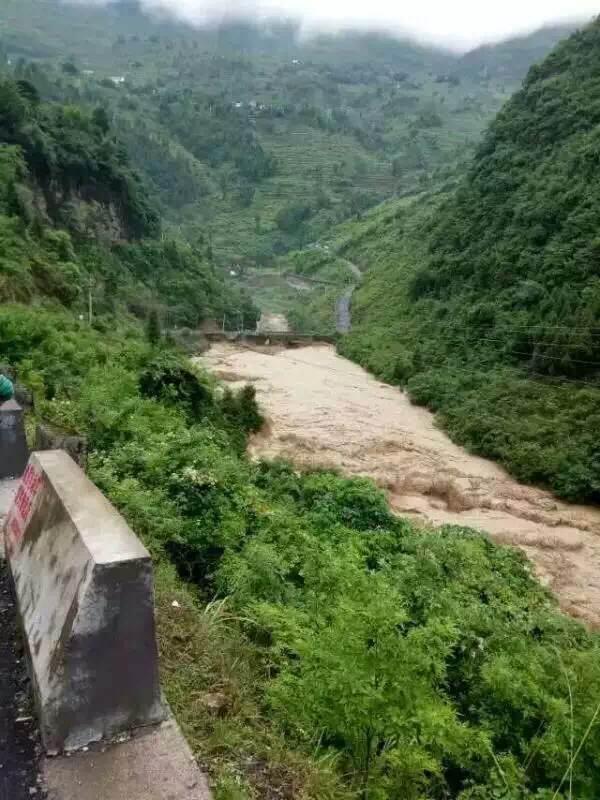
[{"x": 323, "y": 410}]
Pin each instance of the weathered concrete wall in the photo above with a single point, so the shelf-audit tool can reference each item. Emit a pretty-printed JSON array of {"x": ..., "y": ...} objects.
[
  {"x": 84, "y": 587},
  {"x": 48, "y": 437},
  {"x": 13, "y": 444}
]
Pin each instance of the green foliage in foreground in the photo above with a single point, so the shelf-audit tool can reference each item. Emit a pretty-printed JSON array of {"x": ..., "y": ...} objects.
[{"x": 377, "y": 661}]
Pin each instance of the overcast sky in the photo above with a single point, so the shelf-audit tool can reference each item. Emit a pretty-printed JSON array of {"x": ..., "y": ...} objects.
[{"x": 460, "y": 24}]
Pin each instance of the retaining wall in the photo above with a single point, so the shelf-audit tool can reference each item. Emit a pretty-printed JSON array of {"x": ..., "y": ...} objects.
[{"x": 84, "y": 587}]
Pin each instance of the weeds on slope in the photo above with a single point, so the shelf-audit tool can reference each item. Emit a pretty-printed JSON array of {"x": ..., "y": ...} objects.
[{"x": 312, "y": 645}]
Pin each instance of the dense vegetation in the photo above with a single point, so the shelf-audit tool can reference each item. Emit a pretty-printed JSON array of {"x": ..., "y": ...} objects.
[
  {"x": 514, "y": 255},
  {"x": 318, "y": 647},
  {"x": 76, "y": 224},
  {"x": 347, "y": 654},
  {"x": 253, "y": 139},
  {"x": 485, "y": 302}
]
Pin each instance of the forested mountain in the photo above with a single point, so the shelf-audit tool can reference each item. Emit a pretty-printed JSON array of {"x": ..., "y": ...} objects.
[
  {"x": 313, "y": 644},
  {"x": 485, "y": 301},
  {"x": 510, "y": 60},
  {"x": 76, "y": 224},
  {"x": 252, "y": 138}
]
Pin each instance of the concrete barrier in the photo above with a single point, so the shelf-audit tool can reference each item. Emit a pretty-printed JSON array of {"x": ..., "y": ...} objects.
[
  {"x": 84, "y": 588},
  {"x": 13, "y": 444}
]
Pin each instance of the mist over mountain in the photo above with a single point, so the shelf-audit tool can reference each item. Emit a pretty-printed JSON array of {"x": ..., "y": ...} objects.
[
  {"x": 459, "y": 26},
  {"x": 254, "y": 137},
  {"x": 162, "y": 184}
]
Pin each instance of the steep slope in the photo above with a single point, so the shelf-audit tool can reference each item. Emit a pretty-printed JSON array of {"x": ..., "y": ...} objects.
[
  {"x": 516, "y": 253},
  {"x": 487, "y": 303},
  {"x": 252, "y": 138},
  {"x": 76, "y": 224}
]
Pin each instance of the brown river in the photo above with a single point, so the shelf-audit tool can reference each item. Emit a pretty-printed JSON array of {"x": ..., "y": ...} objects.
[{"x": 323, "y": 410}]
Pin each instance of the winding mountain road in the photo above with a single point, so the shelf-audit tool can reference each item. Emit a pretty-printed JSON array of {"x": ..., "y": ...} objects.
[{"x": 343, "y": 313}]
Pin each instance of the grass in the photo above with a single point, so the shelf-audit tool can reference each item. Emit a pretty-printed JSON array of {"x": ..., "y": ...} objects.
[
  {"x": 291, "y": 559},
  {"x": 210, "y": 677}
]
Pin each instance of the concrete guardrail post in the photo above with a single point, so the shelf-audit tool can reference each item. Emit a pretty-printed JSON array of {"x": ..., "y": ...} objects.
[
  {"x": 84, "y": 588},
  {"x": 13, "y": 444}
]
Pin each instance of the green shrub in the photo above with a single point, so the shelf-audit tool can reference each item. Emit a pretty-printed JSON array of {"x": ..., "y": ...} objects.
[
  {"x": 410, "y": 664},
  {"x": 168, "y": 379}
]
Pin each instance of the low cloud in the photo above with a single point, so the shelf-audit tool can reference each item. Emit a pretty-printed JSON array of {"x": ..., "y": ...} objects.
[{"x": 460, "y": 25}]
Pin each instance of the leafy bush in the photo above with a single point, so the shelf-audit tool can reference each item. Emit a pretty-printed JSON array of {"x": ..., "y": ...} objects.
[
  {"x": 427, "y": 663},
  {"x": 242, "y": 410},
  {"x": 417, "y": 665},
  {"x": 170, "y": 380}
]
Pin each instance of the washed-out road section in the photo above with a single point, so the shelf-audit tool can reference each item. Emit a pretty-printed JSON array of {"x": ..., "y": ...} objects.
[{"x": 323, "y": 410}]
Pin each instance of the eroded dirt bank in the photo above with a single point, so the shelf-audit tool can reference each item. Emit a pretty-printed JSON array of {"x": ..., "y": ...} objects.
[{"x": 325, "y": 411}]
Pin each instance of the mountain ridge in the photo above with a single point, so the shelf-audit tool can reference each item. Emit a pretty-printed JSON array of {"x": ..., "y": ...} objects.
[{"x": 312, "y": 132}]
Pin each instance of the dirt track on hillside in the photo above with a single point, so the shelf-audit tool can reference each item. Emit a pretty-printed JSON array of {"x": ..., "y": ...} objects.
[{"x": 325, "y": 411}]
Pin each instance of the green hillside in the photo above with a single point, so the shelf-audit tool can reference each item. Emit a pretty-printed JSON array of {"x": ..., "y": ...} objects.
[
  {"x": 485, "y": 301},
  {"x": 253, "y": 140},
  {"x": 312, "y": 644},
  {"x": 76, "y": 226}
]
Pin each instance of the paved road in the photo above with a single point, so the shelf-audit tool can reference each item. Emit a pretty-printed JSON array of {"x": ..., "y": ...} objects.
[
  {"x": 19, "y": 741},
  {"x": 20, "y": 749},
  {"x": 343, "y": 313}
]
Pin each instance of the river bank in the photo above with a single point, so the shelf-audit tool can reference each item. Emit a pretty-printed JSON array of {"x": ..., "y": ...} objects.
[{"x": 323, "y": 410}]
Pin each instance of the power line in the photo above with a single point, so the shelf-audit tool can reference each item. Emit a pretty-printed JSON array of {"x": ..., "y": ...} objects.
[
  {"x": 593, "y": 330},
  {"x": 532, "y": 355},
  {"x": 386, "y": 397},
  {"x": 524, "y": 376},
  {"x": 535, "y": 342},
  {"x": 452, "y": 368}
]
